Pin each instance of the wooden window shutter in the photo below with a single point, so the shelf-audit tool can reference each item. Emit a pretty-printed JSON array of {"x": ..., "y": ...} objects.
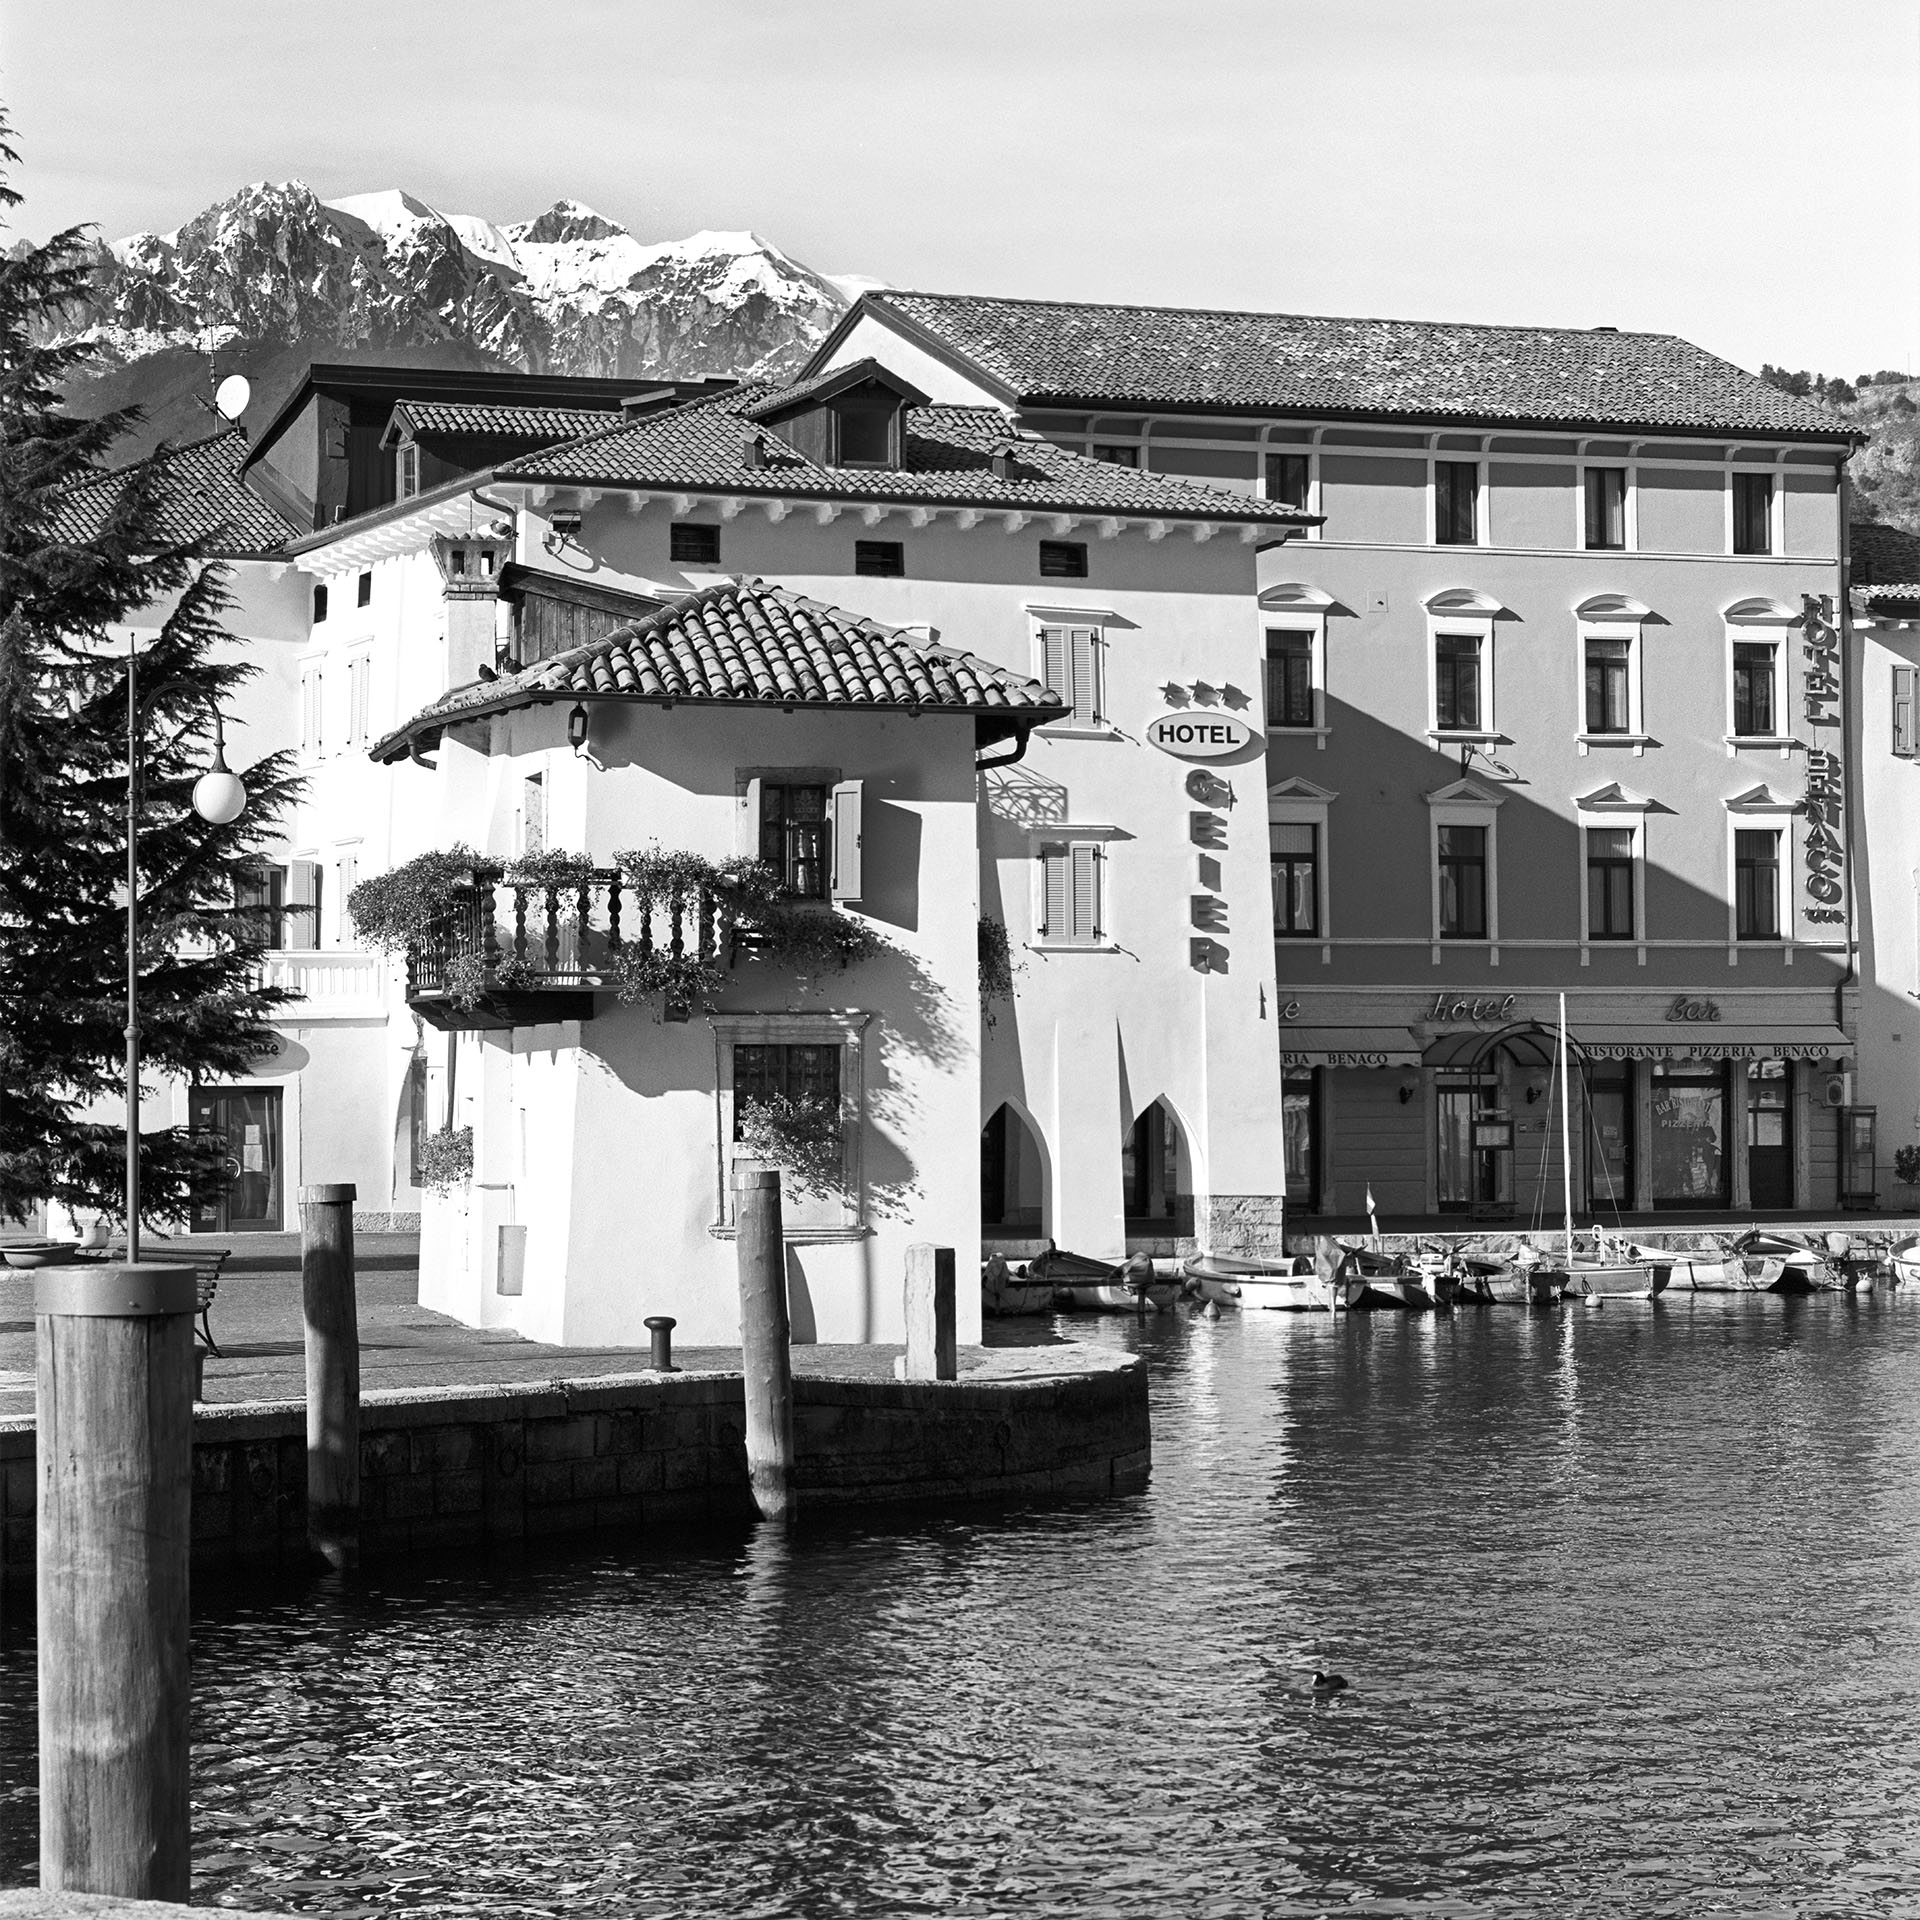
[
  {"x": 846, "y": 840},
  {"x": 1056, "y": 908},
  {"x": 1904, "y": 687},
  {"x": 1055, "y": 664},
  {"x": 300, "y": 924},
  {"x": 1086, "y": 894},
  {"x": 1085, "y": 694}
]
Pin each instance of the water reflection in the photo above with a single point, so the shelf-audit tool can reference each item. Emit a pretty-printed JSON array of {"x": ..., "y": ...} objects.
[{"x": 1628, "y": 1598}]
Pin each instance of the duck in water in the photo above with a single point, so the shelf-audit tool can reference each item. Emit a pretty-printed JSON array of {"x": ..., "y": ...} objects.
[{"x": 1328, "y": 1683}]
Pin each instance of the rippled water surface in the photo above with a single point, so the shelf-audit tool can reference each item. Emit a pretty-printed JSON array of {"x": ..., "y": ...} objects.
[{"x": 1627, "y": 1597}]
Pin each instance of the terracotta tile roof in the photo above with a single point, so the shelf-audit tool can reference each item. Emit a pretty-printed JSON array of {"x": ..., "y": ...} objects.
[
  {"x": 500, "y": 421},
  {"x": 202, "y": 498},
  {"x": 747, "y": 641},
  {"x": 948, "y": 462},
  {"x": 1886, "y": 561},
  {"x": 1062, "y": 353}
]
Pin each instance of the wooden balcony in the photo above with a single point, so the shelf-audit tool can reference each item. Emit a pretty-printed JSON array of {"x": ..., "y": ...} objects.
[{"x": 525, "y": 953}]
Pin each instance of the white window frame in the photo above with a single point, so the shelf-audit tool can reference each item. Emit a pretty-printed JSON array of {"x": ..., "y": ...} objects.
[
  {"x": 1463, "y": 610},
  {"x": 1613, "y": 616},
  {"x": 1623, "y": 463},
  {"x": 1309, "y": 451},
  {"x": 1299, "y": 803},
  {"x": 1759, "y": 622},
  {"x": 1776, "y": 504},
  {"x": 1464, "y": 803},
  {"x": 1096, "y": 620},
  {"x": 1612, "y": 806},
  {"x": 1482, "y": 515},
  {"x": 849, "y": 1032},
  {"x": 406, "y": 470},
  {"x": 1763, "y": 811},
  {"x": 1295, "y": 606}
]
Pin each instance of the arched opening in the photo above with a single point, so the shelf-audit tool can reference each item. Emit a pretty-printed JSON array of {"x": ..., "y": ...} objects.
[
  {"x": 1156, "y": 1176},
  {"x": 1012, "y": 1176}
]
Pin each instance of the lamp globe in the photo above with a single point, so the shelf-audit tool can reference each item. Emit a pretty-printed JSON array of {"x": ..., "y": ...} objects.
[{"x": 219, "y": 797}]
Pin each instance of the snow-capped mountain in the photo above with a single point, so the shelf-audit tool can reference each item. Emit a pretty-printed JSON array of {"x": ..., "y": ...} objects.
[{"x": 566, "y": 292}]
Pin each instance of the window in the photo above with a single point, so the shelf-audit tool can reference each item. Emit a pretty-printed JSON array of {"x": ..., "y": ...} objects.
[
  {"x": 1609, "y": 702},
  {"x": 880, "y": 559},
  {"x": 1610, "y": 883},
  {"x": 1296, "y": 880},
  {"x": 793, "y": 836},
  {"x": 1456, "y": 503},
  {"x": 364, "y": 598},
  {"x": 1904, "y": 689},
  {"x": 1288, "y": 479},
  {"x": 1753, "y": 513},
  {"x": 1120, "y": 456},
  {"x": 1753, "y": 687},
  {"x": 690, "y": 544},
  {"x": 300, "y": 909},
  {"x": 311, "y": 744},
  {"x": 863, "y": 433},
  {"x": 406, "y": 477},
  {"x": 1463, "y": 883},
  {"x": 260, "y": 894},
  {"x": 1289, "y": 678},
  {"x": 1607, "y": 508},
  {"x": 359, "y": 693},
  {"x": 808, "y": 1071},
  {"x": 797, "y": 1057},
  {"x": 1063, "y": 559},
  {"x": 346, "y": 876},
  {"x": 1689, "y": 1135},
  {"x": 319, "y": 605},
  {"x": 1070, "y": 895},
  {"x": 1456, "y": 682},
  {"x": 1756, "y": 883},
  {"x": 1070, "y": 665}
]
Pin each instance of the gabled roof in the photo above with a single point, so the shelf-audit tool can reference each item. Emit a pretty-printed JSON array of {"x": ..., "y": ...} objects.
[
  {"x": 745, "y": 643},
  {"x": 948, "y": 460},
  {"x": 1047, "y": 353},
  {"x": 824, "y": 386},
  {"x": 499, "y": 421},
  {"x": 202, "y": 499}
]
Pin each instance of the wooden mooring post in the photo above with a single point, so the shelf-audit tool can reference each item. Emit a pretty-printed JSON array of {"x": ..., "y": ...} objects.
[
  {"x": 765, "y": 1339},
  {"x": 931, "y": 1349},
  {"x": 332, "y": 1331},
  {"x": 114, "y": 1458}
]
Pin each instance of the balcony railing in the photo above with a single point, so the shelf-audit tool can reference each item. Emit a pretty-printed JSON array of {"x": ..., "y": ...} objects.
[
  {"x": 341, "y": 985},
  {"x": 512, "y": 951}
]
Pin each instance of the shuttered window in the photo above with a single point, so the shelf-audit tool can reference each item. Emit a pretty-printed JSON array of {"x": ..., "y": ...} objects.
[
  {"x": 1906, "y": 681},
  {"x": 1070, "y": 894},
  {"x": 300, "y": 918},
  {"x": 359, "y": 685},
  {"x": 1070, "y": 665},
  {"x": 311, "y": 743}
]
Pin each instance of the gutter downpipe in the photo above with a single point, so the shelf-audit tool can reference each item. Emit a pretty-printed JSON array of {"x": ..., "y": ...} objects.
[{"x": 1012, "y": 759}]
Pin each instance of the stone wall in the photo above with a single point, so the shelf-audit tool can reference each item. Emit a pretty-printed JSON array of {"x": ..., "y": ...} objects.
[{"x": 463, "y": 1467}]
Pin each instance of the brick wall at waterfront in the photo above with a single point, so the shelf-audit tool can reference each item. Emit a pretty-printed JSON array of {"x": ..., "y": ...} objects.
[{"x": 462, "y": 1467}]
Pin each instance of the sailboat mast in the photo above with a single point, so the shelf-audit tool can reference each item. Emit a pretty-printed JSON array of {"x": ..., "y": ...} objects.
[{"x": 1566, "y": 1134}]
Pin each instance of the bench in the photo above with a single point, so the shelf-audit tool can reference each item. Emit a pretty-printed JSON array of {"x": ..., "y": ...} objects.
[{"x": 206, "y": 1263}]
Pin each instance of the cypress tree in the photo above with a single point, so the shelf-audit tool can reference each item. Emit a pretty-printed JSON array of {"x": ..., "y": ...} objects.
[{"x": 71, "y": 582}]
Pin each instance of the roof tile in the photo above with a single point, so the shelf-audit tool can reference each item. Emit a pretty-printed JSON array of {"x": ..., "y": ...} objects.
[
  {"x": 202, "y": 498},
  {"x": 500, "y": 421}
]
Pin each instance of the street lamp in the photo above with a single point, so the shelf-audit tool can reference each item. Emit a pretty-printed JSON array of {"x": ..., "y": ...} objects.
[{"x": 219, "y": 798}]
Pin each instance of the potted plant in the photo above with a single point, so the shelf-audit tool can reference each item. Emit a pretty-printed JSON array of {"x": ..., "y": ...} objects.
[
  {"x": 446, "y": 1159},
  {"x": 1906, "y": 1168}
]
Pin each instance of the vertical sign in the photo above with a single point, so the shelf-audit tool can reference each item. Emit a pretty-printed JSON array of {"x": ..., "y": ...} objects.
[{"x": 1826, "y": 797}]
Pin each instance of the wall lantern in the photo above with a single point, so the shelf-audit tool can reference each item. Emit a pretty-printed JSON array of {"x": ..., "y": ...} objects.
[
  {"x": 577, "y": 727},
  {"x": 1407, "y": 1090}
]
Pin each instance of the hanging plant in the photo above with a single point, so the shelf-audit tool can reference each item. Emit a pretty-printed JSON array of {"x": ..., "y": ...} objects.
[
  {"x": 659, "y": 877},
  {"x": 446, "y": 1159},
  {"x": 681, "y": 980},
  {"x": 996, "y": 961},
  {"x": 804, "y": 1137},
  {"x": 808, "y": 940},
  {"x": 393, "y": 911},
  {"x": 550, "y": 867}
]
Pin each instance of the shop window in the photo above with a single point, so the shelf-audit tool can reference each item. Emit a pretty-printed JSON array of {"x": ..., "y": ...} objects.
[
  {"x": 1296, "y": 879},
  {"x": 1756, "y": 884},
  {"x": 1753, "y": 688},
  {"x": 1463, "y": 882},
  {"x": 1610, "y": 889},
  {"x": 1300, "y": 1135},
  {"x": 1289, "y": 677},
  {"x": 1689, "y": 1135}
]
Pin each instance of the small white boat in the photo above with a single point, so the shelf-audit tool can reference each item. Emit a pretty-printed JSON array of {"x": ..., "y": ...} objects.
[
  {"x": 1903, "y": 1261},
  {"x": 1104, "y": 1286},
  {"x": 1006, "y": 1292},
  {"x": 1278, "y": 1286}
]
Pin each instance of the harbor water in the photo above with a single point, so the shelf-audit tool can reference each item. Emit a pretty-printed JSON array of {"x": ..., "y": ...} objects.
[{"x": 1629, "y": 1601}]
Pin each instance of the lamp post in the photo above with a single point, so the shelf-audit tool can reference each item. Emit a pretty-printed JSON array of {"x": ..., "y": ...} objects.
[{"x": 218, "y": 798}]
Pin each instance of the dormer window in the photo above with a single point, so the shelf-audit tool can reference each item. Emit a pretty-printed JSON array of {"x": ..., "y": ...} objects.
[
  {"x": 854, "y": 417},
  {"x": 406, "y": 470},
  {"x": 867, "y": 429}
]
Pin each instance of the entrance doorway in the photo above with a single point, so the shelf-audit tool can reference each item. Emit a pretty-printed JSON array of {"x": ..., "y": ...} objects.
[
  {"x": 1473, "y": 1176},
  {"x": 1010, "y": 1176},
  {"x": 1609, "y": 1139},
  {"x": 1770, "y": 1133},
  {"x": 245, "y": 1123},
  {"x": 1300, "y": 1130},
  {"x": 1157, "y": 1190}
]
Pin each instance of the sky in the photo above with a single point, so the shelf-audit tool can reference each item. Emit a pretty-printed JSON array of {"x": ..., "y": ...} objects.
[{"x": 1742, "y": 172}]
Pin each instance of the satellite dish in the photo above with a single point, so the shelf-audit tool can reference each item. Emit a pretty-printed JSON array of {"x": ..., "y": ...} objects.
[{"x": 230, "y": 397}]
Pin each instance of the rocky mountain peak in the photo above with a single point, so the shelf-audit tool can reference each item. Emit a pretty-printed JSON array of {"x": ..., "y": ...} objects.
[{"x": 564, "y": 220}]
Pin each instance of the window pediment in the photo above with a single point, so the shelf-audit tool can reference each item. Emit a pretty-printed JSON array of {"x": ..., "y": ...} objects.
[
  {"x": 1760, "y": 612},
  {"x": 1612, "y": 606},
  {"x": 1465, "y": 793},
  {"x": 1464, "y": 600},
  {"x": 1295, "y": 788},
  {"x": 1761, "y": 799}
]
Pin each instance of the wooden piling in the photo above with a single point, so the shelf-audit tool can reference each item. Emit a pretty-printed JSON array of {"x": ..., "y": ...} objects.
[
  {"x": 765, "y": 1339},
  {"x": 1328, "y": 1261},
  {"x": 931, "y": 1352},
  {"x": 114, "y": 1458},
  {"x": 332, "y": 1331}
]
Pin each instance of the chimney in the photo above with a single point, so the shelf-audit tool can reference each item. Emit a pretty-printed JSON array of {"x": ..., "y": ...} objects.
[
  {"x": 470, "y": 595},
  {"x": 1003, "y": 460},
  {"x": 753, "y": 452}
]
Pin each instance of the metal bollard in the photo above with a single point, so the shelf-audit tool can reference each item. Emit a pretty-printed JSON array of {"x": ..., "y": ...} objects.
[{"x": 661, "y": 1326}]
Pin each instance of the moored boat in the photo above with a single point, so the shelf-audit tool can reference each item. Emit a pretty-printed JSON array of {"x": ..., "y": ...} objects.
[
  {"x": 1103, "y": 1286},
  {"x": 1006, "y": 1292},
  {"x": 1277, "y": 1286}
]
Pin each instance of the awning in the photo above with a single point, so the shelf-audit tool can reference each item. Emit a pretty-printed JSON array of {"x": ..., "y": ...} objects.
[
  {"x": 1347, "y": 1047},
  {"x": 1710, "y": 1040}
]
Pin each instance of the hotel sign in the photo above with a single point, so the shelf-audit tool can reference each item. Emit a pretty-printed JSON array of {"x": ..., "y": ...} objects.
[
  {"x": 1195, "y": 735},
  {"x": 1826, "y": 798}
]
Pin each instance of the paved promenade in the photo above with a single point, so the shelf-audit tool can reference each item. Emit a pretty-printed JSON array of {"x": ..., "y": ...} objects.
[{"x": 404, "y": 1347}]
